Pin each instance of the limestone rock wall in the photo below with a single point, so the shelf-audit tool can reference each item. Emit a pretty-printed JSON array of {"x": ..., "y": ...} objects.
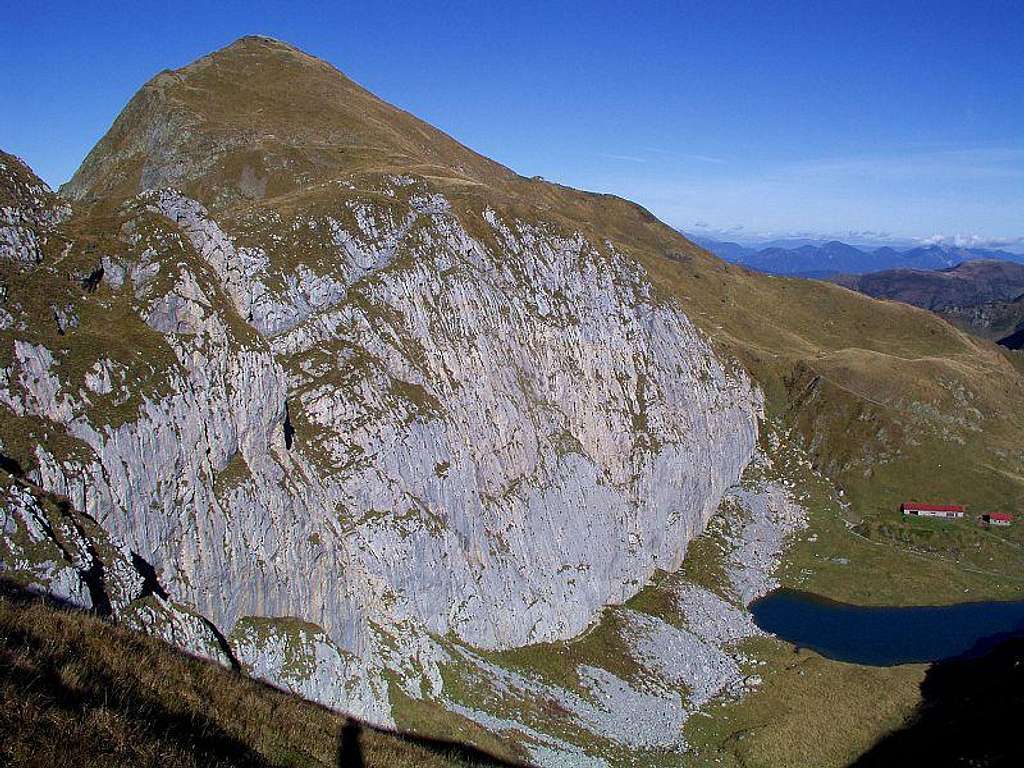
[{"x": 368, "y": 419}]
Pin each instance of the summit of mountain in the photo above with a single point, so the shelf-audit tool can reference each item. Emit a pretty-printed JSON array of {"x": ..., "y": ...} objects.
[{"x": 256, "y": 119}]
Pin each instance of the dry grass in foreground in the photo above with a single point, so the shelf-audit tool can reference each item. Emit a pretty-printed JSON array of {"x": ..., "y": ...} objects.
[{"x": 76, "y": 690}]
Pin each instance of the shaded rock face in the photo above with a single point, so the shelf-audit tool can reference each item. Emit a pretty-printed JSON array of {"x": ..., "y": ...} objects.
[
  {"x": 493, "y": 435},
  {"x": 50, "y": 547}
]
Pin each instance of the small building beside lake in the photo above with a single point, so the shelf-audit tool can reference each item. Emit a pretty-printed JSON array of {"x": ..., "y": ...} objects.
[
  {"x": 932, "y": 510},
  {"x": 997, "y": 518}
]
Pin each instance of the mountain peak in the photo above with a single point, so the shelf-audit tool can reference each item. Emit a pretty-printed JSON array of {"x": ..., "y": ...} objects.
[
  {"x": 259, "y": 50},
  {"x": 261, "y": 41},
  {"x": 256, "y": 119}
]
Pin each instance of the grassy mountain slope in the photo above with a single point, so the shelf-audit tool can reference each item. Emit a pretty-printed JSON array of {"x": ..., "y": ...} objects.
[
  {"x": 981, "y": 296},
  {"x": 75, "y": 690},
  {"x": 256, "y": 119}
]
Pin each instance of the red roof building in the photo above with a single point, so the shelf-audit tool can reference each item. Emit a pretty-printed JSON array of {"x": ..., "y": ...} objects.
[
  {"x": 931, "y": 510},
  {"x": 997, "y": 518}
]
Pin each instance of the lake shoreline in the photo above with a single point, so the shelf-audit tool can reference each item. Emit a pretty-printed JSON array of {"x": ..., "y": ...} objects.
[{"x": 887, "y": 635}]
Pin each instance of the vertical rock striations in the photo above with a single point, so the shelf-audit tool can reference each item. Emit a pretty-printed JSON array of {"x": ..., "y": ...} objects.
[
  {"x": 349, "y": 391},
  {"x": 499, "y": 433}
]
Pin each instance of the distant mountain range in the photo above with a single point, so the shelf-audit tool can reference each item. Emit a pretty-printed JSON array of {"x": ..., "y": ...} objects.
[
  {"x": 978, "y": 289},
  {"x": 969, "y": 284},
  {"x": 828, "y": 259},
  {"x": 982, "y": 296}
]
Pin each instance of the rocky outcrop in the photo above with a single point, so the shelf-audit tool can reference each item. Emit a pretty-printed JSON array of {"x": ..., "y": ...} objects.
[
  {"x": 338, "y": 407},
  {"x": 29, "y": 212},
  {"x": 494, "y": 435},
  {"x": 47, "y": 546},
  {"x": 302, "y": 658}
]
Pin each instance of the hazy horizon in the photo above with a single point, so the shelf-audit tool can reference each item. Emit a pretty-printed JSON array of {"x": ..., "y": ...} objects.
[{"x": 864, "y": 241}]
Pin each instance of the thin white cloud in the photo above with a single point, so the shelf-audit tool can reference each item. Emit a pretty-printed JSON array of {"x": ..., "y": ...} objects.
[
  {"x": 687, "y": 156},
  {"x": 702, "y": 158},
  {"x": 677, "y": 155},
  {"x": 961, "y": 240},
  {"x": 624, "y": 158}
]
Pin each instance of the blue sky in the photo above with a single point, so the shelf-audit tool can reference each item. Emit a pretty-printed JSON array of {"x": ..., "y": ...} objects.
[{"x": 889, "y": 119}]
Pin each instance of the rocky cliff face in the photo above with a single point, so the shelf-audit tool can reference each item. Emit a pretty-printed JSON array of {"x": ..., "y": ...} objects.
[{"x": 340, "y": 428}]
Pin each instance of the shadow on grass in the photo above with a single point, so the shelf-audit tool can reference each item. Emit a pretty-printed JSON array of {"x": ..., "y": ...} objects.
[
  {"x": 350, "y": 752},
  {"x": 970, "y": 714},
  {"x": 45, "y": 681}
]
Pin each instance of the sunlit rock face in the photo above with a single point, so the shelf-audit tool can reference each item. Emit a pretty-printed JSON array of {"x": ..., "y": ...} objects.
[
  {"x": 366, "y": 418},
  {"x": 357, "y": 394}
]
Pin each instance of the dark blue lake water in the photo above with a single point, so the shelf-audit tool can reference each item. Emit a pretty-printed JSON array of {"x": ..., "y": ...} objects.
[{"x": 886, "y": 636}]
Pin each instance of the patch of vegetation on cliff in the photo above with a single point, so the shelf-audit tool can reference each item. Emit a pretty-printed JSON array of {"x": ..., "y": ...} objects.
[
  {"x": 23, "y": 436},
  {"x": 235, "y": 473},
  {"x": 470, "y": 686},
  {"x": 602, "y": 645},
  {"x": 429, "y": 717},
  {"x": 100, "y": 323},
  {"x": 292, "y": 637}
]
